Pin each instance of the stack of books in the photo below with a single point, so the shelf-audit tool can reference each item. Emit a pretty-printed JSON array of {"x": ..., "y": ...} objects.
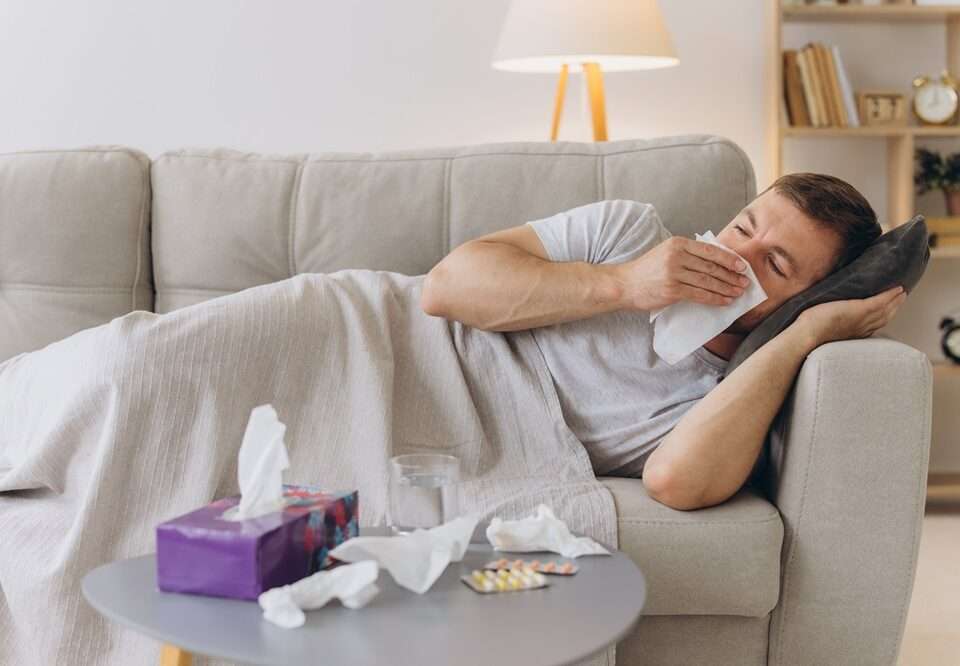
[{"x": 817, "y": 89}]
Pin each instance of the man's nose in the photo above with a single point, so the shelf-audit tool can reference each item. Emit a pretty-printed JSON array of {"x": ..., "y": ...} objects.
[{"x": 752, "y": 252}]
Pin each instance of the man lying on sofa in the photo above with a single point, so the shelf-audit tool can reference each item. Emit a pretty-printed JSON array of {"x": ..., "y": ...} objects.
[{"x": 585, "y": 280}]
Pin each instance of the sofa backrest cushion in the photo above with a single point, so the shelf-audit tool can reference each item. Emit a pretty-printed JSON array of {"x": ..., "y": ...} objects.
[
  {"x": 74, "y": 242},
  {"x": 224, "y": 220}
]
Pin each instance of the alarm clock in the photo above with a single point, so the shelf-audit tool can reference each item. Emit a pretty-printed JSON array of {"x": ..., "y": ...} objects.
[
  {"x": 935, "y": 102},
  {"x": 950, "y": 342}
]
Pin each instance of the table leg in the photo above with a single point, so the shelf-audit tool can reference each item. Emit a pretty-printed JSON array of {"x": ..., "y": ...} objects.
[{"x": 171, "y": 655}]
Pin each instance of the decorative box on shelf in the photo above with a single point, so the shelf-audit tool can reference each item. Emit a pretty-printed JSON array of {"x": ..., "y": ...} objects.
[{"x": 882, "y": 107}]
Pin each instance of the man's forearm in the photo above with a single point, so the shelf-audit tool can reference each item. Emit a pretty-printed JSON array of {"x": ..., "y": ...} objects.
[
  {"x": 498, "y": 287},
  {"x": 711, "y": 451}
]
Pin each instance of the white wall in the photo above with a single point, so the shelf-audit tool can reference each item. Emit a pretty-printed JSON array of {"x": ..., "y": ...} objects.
[
  {"x": 319, "y": 75},
  {"x": 369, "y": 75}
]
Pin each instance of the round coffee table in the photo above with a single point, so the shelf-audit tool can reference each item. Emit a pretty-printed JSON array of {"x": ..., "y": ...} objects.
[{"x": 575, "y": 617}]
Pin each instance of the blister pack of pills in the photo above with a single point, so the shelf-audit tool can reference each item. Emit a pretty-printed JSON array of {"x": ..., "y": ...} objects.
[
  {"x": 503, "y": 580},
  {"x": 555, "y": 567}
]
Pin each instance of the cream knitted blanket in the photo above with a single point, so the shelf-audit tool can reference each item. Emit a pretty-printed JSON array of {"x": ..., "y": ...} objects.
[{"x": 120, "y": 427}]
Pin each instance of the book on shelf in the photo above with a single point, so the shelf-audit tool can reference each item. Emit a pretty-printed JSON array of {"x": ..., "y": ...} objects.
[
  {"x": 823, "y": 72},
  {"x": 798, "y": 115},
  {"x": 819, "y": 90},
  {"x": 815, "y": 81},
  {"x": 846, "y": 90}
]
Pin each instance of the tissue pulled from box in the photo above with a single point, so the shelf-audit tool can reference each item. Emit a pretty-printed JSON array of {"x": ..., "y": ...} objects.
[
  {"x": 260, "y": 465},
  {"x": 682, "y": 328},
  {"x": 417, "y": 559},
  {"x": 353, "y": 584},
  {"x": 541, "y": 531}
]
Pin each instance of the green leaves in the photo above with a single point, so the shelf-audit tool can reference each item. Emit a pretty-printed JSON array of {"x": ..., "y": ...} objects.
[{"x": 934, "y": 172}]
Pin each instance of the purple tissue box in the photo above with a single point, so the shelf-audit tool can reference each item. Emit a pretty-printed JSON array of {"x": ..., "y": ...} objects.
[{"x": 200, "y": 553}]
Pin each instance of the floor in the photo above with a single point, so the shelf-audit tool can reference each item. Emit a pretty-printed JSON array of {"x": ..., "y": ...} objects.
[{"x": 932, "y": 636}]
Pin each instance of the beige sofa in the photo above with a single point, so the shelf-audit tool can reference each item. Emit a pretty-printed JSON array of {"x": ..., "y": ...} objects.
[{"x": 812, "y": 564}]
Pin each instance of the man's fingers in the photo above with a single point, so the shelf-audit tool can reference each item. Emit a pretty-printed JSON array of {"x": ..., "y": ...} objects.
[
  {"x": 694, "y": 263},
  {"x": 890, "y": 310},
  {"x": 697, "y": 295},
  {"x": 885, "y": 297},
  {"x": 714, "y": 254},
  {"x": 709, "y": 283}
]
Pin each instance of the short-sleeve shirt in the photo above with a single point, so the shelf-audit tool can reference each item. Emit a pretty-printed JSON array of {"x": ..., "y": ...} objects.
[{"x": 618, "y": 397}]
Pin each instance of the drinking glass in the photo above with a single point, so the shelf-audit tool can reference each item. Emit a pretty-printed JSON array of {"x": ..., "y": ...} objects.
[{"x": 422, "y": 491}]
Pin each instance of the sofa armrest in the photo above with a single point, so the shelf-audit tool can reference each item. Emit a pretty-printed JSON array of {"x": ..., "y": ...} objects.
[{"x": 847, "y": 470}]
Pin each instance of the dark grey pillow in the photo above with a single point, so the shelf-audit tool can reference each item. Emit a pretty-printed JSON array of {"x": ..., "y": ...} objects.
[{"x": 898, "y": 257}]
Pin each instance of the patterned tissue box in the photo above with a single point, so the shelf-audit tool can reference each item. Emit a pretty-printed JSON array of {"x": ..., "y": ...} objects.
[{"x": 202, "y": 553}]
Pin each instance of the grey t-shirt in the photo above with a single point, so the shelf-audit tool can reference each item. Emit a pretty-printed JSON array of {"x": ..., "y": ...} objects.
[{"x": 617, "y": 395}]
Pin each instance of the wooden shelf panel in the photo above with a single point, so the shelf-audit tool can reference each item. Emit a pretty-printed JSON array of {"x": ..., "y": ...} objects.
[
  {"x": 949, "y": 131},
  {"x": 853, "y": 13},
  {"x": 946, "y": 368},
  {"x": 946, "y": 252}
]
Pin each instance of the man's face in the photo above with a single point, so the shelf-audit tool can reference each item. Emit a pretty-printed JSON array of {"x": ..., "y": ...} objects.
[{"x": 787, "y": 250}]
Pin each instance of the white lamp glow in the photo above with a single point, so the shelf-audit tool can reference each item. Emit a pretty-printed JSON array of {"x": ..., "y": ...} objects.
[{"x": 611, "y": 35}]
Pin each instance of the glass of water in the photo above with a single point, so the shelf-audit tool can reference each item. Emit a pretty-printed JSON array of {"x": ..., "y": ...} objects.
[{"x": 423, "y": 491}]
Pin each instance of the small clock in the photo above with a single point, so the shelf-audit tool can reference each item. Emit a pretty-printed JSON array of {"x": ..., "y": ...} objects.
[
  {"x": 951, "y": 338},
  {"x": 935, "y": 101}
]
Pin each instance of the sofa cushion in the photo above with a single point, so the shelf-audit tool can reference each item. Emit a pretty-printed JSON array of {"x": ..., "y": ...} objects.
[
  {"x": 722, "y": 560},
  {"x": 225, "y": 220},
  {"x": 74, "y": 242}
]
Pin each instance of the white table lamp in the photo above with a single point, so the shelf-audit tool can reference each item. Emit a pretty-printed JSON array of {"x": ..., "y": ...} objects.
[{"x": 596, "y": 35}]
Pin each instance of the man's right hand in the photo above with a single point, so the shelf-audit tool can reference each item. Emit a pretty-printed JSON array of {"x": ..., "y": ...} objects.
[{"x": 681, "y": 269}]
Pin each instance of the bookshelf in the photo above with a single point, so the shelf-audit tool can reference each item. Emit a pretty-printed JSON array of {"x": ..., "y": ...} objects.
[{"x": 900, "y": 141}]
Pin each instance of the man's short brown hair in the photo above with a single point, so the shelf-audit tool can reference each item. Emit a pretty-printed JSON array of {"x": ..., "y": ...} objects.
[{"x": 836, "y": 205}]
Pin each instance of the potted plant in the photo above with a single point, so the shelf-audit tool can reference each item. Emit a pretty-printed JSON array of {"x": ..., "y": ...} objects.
[{"x": 935, "y": 172}]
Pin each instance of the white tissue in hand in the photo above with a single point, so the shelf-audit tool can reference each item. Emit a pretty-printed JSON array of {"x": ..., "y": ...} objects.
[
  {"x": 542, "y": 531},
  {"x": 263, "y": 457},
  {"x": 417, "y": 559},
  {"x": 682, "y": 328},
  {"x": 353, "y": 584}
]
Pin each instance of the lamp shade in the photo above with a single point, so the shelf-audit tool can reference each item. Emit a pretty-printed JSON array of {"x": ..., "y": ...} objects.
[{"x": 619, "y": 35}]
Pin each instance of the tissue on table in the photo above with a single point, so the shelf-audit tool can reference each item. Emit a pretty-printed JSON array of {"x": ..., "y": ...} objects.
[
  {"x": 682, "y": 328},
  {"x": 353, "y": 584},
  {"x": 270, "y": 535},
  {"x": 541, "y": 531},
  {"x": 417, "y": 559}
]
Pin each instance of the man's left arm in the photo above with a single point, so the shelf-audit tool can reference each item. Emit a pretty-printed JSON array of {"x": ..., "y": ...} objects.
[{"x": 708, "y": 456}]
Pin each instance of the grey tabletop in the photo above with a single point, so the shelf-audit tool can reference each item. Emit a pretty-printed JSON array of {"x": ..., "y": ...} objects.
[{"x": 573, "y": 618}]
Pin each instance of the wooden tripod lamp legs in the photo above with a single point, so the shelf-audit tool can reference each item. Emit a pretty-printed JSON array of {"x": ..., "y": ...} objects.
[
  {"x": 598, "y": 110},
  {"x": 558, "y": 102}
]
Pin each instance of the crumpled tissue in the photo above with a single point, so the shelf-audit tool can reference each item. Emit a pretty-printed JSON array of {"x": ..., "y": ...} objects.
[
  {"x": 541, "y": 531},
  {"x": 417, "y": 559},
  {"x": 682, "y": 328},
  {"x": 262, "y": 460},
  {"x": 353, "y": 584}
]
